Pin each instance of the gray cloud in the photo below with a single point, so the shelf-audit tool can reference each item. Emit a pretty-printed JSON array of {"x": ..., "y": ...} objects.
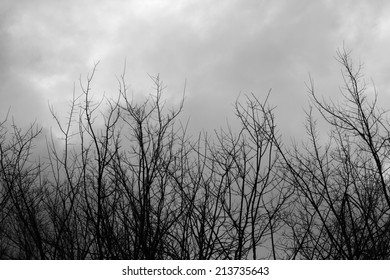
[{"x": 222, "y": 48}]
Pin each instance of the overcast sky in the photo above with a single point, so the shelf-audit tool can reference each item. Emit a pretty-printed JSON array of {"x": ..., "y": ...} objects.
[{"x": 222, "y": 49}]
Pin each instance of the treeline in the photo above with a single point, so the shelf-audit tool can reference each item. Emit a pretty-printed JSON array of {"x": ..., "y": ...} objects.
[{"x": 129, "y": 182}]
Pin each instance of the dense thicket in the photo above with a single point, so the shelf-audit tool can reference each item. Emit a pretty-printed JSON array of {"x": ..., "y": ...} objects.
[{"x": 126, "y": 181}]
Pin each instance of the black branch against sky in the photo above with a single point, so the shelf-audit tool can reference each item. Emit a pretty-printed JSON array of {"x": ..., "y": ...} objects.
[{"x": 125, "y": 180}]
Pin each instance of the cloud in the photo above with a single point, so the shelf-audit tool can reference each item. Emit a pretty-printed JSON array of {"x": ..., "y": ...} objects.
[{"x": 222, "y": 49}]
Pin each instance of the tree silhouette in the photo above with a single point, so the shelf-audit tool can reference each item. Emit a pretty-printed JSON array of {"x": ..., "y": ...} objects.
[
  {"x": 126, "y": 181},
  {"x": 341, "y": 208}
]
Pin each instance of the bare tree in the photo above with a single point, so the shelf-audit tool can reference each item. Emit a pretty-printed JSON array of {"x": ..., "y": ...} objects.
[
  {"x": 21, "y": 194},
  {"x": 238, "y": 199},
  {"x": 341, "y": 207},
  {"x": 152, "y": 201},
  {"x": 126, "y": 181}
]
